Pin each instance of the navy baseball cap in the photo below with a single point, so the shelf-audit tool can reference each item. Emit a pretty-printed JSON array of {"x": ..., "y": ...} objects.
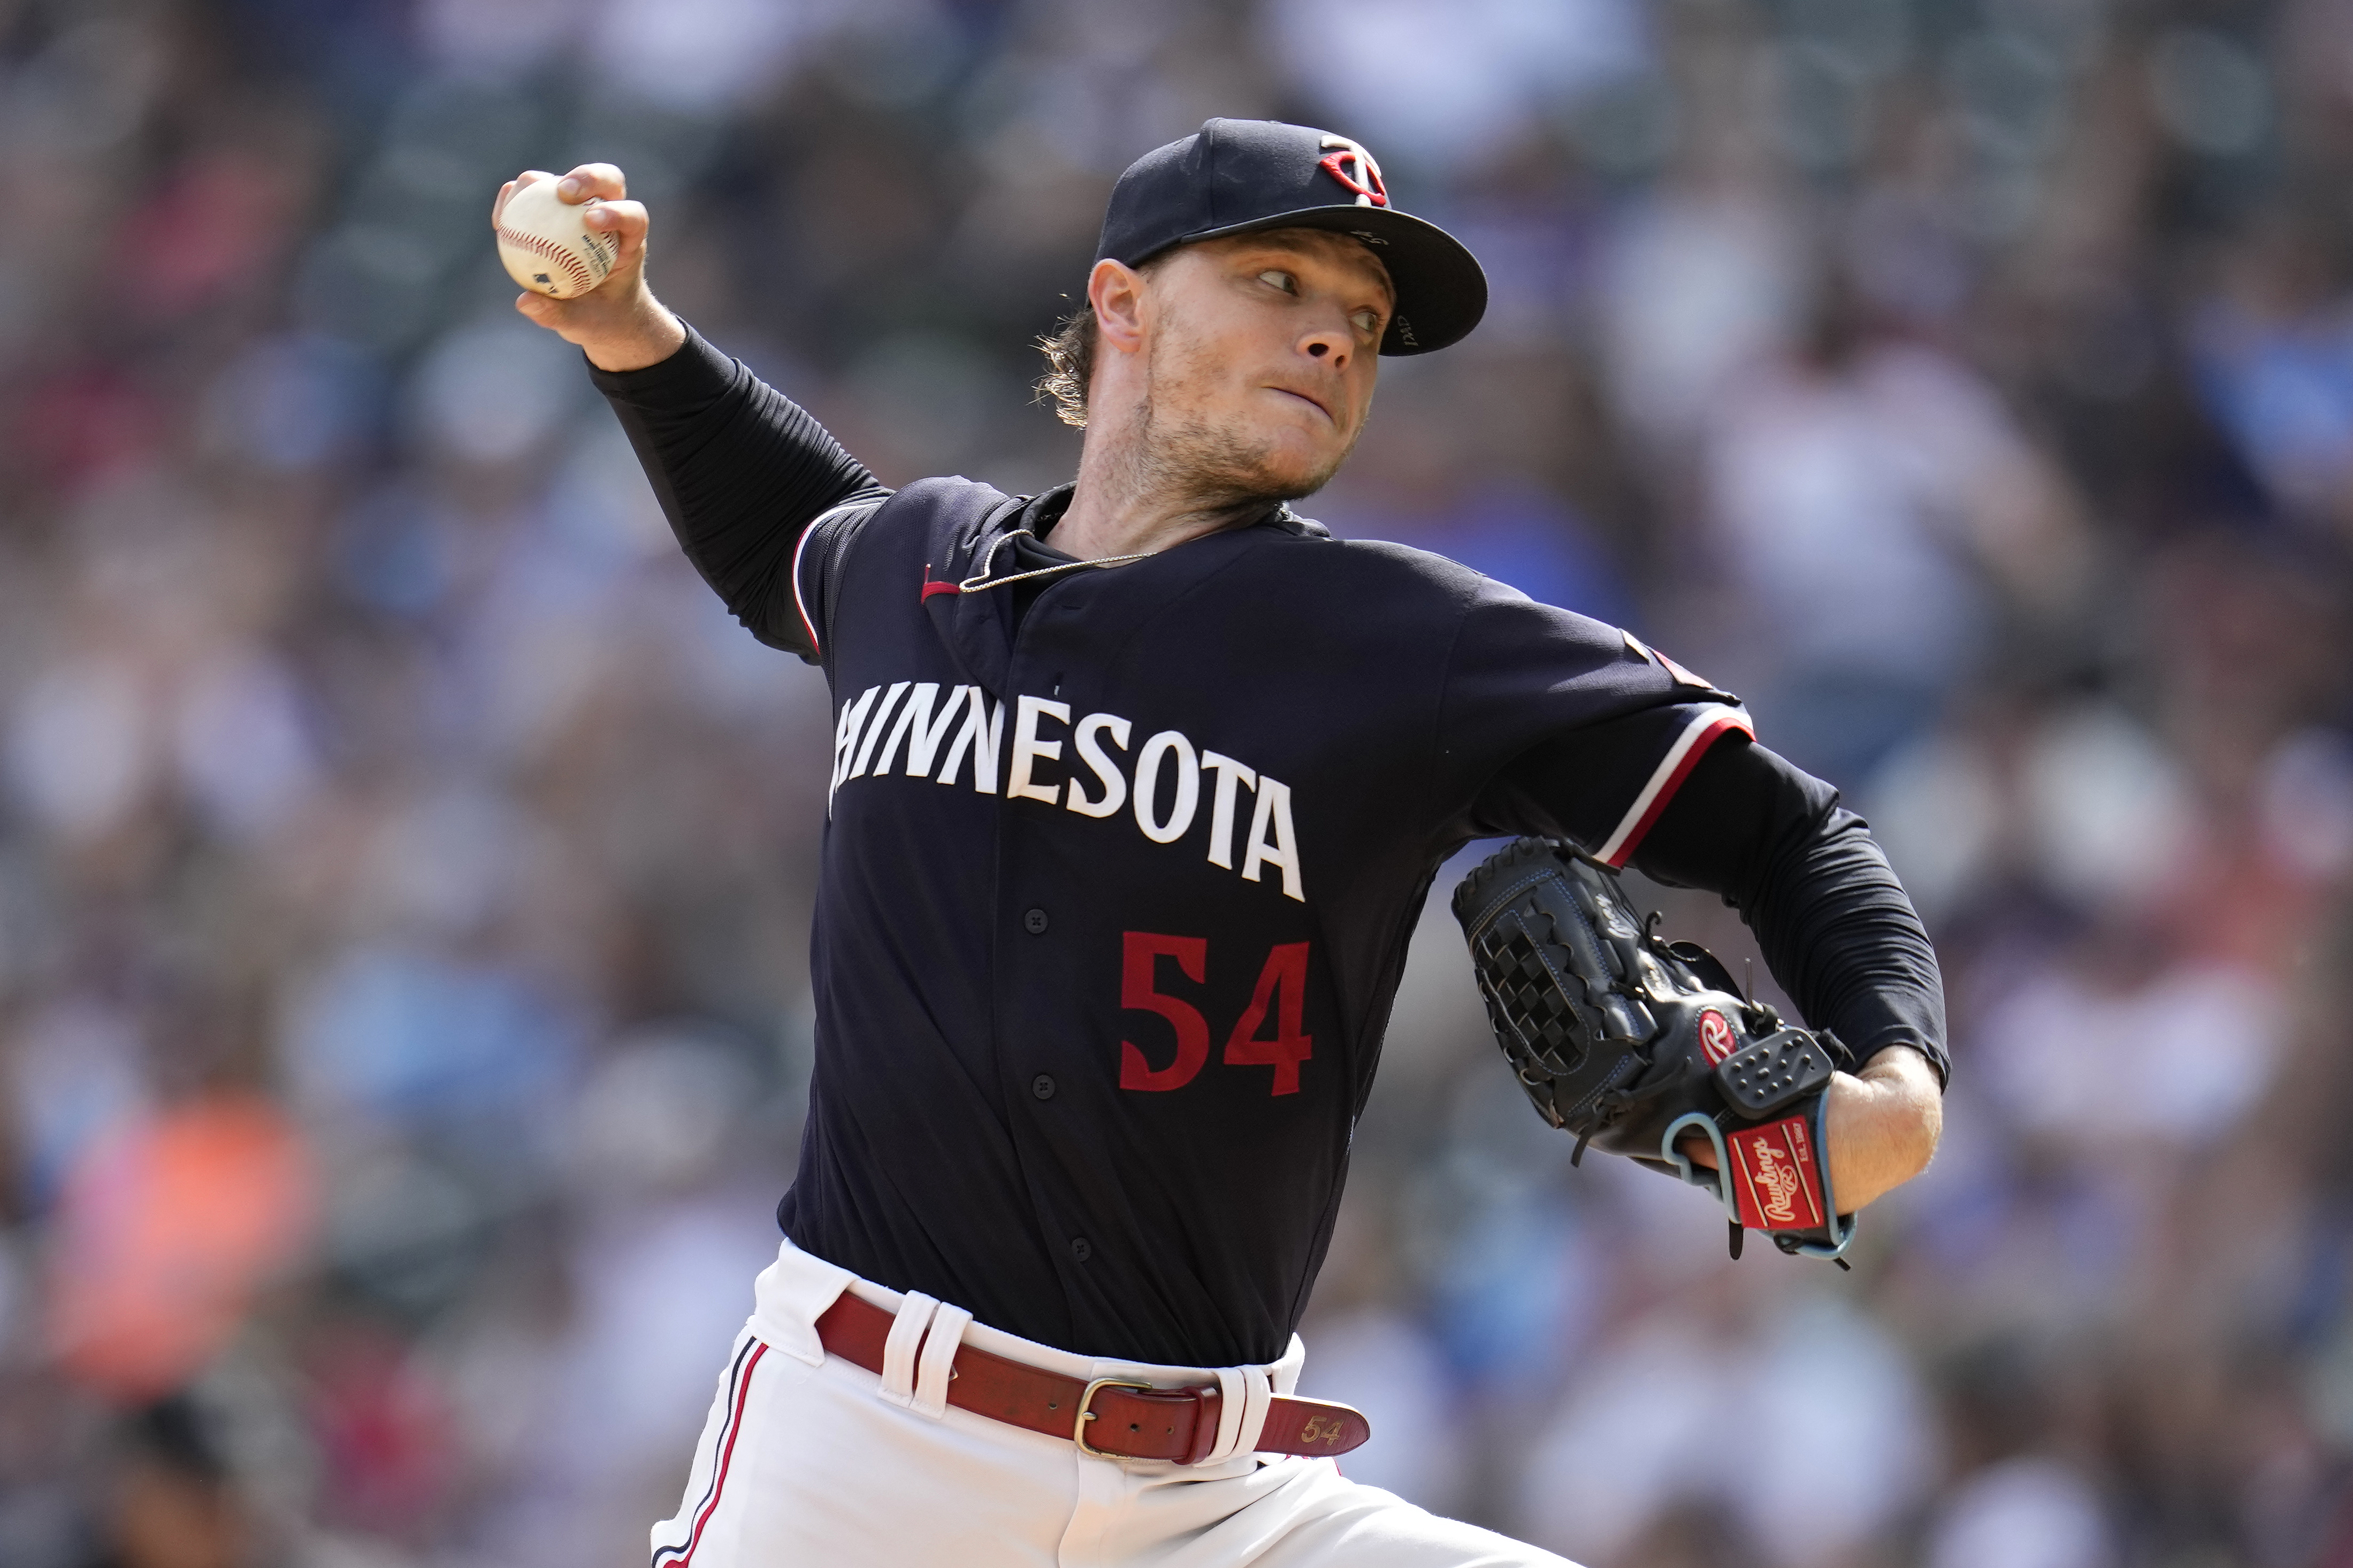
[{"x": 1238, "y": 176}]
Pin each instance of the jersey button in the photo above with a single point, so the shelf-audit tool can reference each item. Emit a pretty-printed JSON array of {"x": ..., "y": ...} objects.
[
  {"x": 1081, "y": 1248},
  {"x": 1042, "y": 1086},
  {"x": 1034, "y": 922}
]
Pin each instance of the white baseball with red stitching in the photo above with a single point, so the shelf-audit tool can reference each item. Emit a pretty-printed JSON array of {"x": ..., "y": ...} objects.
[{"x": 547, "y": 246}]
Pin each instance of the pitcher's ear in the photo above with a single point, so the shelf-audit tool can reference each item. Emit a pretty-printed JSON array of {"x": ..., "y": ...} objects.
[{"x": 1115, "y": 292}]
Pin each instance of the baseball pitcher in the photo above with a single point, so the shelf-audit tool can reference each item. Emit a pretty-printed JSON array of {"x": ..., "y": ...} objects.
[{"x": 1138, "y": 788}]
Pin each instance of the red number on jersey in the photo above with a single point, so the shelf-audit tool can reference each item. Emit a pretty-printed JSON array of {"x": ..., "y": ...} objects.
[
  {"x": 1138, "y": 979},
  {"x": 1281, "y": 988}
]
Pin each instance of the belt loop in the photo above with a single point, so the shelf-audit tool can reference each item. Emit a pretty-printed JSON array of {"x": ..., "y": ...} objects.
[
  {"x": 935, "y": 1366},
  {"x": 1258, "y": 1392},
  {"x": 1210, "y": 1405},
  {"x": 916, "y": 1310},
  {"x": 1243, "y": 1398}
]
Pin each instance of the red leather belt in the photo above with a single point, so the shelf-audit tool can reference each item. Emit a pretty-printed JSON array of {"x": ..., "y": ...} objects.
[{"x": 1106, "y": 1416}]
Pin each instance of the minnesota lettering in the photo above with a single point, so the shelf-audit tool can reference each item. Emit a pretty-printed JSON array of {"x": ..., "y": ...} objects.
[{"x": 1160, "y": 781}]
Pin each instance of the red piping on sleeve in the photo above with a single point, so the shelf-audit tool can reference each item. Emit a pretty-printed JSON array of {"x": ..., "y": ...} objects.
[{"x": 1652, "y": 803}]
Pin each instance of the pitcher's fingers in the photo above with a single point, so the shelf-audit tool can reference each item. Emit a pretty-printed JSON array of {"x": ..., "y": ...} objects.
[
  {"x": 625, "y": 221},
  {"x": 594, "y": 180}
]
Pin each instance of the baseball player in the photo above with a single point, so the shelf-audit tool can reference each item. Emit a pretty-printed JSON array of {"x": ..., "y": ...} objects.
[{"x": 1138, "y": 788}]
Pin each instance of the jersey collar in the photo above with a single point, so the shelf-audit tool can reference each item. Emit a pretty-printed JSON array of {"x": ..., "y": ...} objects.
[{"x": 1041, "y": 512}]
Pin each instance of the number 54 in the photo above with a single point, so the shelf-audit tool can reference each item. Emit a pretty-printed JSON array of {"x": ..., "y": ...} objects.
[{"x": 1281, "y": 990}]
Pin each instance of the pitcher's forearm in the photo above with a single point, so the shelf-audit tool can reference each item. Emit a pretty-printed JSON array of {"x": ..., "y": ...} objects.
[{"x": 1882, "y": 1124}]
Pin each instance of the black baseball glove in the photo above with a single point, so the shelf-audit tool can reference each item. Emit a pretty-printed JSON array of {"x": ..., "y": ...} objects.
[{"x": 1632, "y": 1044}]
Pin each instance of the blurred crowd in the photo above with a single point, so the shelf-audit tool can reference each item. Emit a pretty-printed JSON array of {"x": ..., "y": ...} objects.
[{"x": 405, "y": 863}]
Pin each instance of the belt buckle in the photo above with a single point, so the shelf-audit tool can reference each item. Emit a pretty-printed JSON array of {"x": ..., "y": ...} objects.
[{"x": 1079, "y": 1428}]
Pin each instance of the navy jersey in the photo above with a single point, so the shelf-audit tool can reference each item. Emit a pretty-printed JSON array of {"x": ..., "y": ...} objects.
[
  {"x": 1116, "y": 892},
  {"x": 1122, "y": 861}
]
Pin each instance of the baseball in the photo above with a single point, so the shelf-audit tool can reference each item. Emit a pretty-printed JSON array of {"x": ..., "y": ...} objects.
[{"x": 548, "y": 247}]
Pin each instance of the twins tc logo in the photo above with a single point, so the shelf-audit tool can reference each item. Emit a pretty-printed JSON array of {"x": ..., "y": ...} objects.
[{"x": 1354, "y": 167}]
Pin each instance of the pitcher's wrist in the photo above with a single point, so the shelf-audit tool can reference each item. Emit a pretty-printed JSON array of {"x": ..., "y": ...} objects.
[{"x": 651, "y": 337}]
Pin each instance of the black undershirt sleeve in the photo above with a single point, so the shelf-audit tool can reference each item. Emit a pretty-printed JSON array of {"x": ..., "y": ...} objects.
[
  {"x": 1835, "y": 926},
  {"x": 741, "y": 471}
]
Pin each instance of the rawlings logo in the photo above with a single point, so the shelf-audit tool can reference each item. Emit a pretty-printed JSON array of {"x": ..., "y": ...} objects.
[
  {"x": 1716, "y": 1040},
  {"x": 1776, "y": 1181},
  {"x": 1354, "y": 167},
  {"x": 1779, "y": 1182}
]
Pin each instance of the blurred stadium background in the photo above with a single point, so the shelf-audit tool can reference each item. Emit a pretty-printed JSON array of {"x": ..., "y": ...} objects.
[{"x": 405, "y": 864}]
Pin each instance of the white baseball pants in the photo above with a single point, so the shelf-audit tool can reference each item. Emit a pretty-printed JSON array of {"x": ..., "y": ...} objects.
[{"x": 808, "y": 1461}]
